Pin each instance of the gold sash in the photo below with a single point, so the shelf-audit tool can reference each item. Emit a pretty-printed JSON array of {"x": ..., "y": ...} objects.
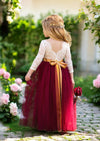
[{"x": 58, "y": 86}]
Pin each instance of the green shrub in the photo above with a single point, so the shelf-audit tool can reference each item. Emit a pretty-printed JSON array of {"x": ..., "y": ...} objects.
[
  {"x": 95, "y": 97},
  {"x": 88, "y": 90},
  {"x": 7, "y": 54}
]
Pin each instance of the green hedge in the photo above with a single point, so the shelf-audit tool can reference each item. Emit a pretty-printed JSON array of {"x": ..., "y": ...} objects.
[{"x": 21, "y": 45}]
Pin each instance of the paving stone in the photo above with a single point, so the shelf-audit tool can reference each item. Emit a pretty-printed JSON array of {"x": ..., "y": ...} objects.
[
  {"x": 3, "y": 128},
  {"x": 98, "y": 131}
]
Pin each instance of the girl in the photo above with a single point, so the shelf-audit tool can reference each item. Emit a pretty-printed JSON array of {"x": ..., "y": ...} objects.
[{"x": 49, "y": 92}]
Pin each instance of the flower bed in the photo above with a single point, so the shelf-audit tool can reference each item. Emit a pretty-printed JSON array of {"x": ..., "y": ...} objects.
[{"x": 10, "y": 93}]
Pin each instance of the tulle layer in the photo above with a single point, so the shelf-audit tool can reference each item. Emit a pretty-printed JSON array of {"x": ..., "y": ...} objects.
[{"x": 39, "y": 109}]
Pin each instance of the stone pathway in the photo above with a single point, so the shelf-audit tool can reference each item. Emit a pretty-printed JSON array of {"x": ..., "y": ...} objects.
[{"x": 88, "y": 128}]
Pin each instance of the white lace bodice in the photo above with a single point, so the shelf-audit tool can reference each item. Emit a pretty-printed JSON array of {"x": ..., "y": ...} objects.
[{"x": 45, "y": 51}]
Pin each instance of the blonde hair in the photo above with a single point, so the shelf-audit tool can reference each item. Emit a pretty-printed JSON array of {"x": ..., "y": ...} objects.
[{"x": 54, "y": 28}]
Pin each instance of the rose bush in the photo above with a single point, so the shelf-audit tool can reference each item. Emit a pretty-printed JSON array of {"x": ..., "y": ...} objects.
[
  {"x": 10, "y": 92},
  {"x": 95, "y": 97}
]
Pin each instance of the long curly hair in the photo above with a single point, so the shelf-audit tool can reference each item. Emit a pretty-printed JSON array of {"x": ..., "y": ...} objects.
[{"x": 53, "y": 25}]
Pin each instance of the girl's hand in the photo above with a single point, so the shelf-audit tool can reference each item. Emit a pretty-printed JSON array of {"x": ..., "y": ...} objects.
[
  {"x": 75, "y": 99},
  {"x": 27, "y": 77},
  {"x": 72, "y": 78},
  {"x": 73, "y": 83}
]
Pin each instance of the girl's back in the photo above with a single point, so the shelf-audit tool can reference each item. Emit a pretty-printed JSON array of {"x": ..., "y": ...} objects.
[{"x": 55, "y": 50}]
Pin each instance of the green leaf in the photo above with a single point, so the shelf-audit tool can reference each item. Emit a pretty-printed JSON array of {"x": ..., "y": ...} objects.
[{"x": 2, "y": 115}]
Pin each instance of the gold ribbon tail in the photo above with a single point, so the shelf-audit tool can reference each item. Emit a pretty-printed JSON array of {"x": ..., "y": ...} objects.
[{"x": 58, "y": 88}]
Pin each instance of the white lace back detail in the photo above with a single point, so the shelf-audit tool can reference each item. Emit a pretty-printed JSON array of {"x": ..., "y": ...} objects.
[{"x": 45, "y": 51}]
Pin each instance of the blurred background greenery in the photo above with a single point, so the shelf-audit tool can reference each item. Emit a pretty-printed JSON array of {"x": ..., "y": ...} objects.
[{"x": 20, "y": 46}]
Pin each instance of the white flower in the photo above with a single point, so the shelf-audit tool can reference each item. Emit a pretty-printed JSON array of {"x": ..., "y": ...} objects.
[
  {"x": 20, "y": 89},
  {"x": 3, "y": 1},
  {"x": 13, "y": 108},
  {"x": 22, "y": 99},
  {"x": 19, "y": 5},
  {"x": 91, "y": 88},
  {"x": 9, "y": 19},
  {"x": 91, "y": 17},
  {"x": 17, "y": 10},
  {"x": 96, "y": 16},
  {"x": 20, "y": 114},
  {"x": 23, "y": 85}
]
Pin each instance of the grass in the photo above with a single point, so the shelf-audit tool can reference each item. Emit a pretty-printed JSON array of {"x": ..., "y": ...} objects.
[{"x": 14, "y": 127}]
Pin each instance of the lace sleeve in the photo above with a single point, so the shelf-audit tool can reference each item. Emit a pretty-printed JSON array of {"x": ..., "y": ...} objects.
[
  {"x": 68, "y": 59},
  {"x": 38, "y": 59}
]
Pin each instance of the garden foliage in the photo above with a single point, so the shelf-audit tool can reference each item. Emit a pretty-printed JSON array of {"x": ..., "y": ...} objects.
[
  {"x": 90, "y": 12},
  {"x": 20, "y": 47},
  {"x": 90, "y": 88}
]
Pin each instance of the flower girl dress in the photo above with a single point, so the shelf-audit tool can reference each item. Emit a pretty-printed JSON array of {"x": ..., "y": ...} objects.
[{"x": 49, "y": 95}]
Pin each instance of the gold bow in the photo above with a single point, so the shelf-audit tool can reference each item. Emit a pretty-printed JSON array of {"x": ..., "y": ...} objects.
[{"x": 58, "y": 86}]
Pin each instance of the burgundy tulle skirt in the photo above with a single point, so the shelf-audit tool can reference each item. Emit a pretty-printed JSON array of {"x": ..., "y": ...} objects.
[{"x": 39, "y": 109}]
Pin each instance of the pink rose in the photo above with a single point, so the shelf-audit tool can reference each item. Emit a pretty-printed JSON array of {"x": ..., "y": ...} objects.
[
  {"x": 98, "y": 76},
  {"x": 96, "y": 83},
  {"x": 14, "y": 113},
  {"x": 6, "y": 75},
  {"x": 13, "y": 108},
  {"x": 14, "y": 87},
  {"x": 4, "y": 99},
  {"x": 2, "y": 71},
  {"x": 18, "y": 81}
]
